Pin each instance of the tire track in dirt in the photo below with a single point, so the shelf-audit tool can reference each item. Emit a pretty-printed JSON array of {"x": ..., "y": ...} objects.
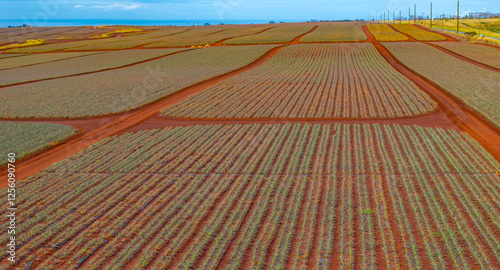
[
  {"x": 44, "y": 160},
  {"x": 463, "y": 116},
  {"x": 464, "y": 58}
]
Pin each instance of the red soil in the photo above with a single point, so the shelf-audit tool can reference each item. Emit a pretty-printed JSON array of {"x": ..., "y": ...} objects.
[{"x": 435, "y": 119}]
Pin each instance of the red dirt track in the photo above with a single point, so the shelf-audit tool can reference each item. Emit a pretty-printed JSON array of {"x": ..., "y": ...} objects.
[
  {"x": 463, "y": 58},
  {"x": 451, "y": 114}
]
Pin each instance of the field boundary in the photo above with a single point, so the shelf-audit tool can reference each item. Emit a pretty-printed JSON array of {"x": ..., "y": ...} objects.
[
  {"x": 464, "y": 58},
  {"x": 468, "y": 120},
  {"x": 43, "y": 160}
]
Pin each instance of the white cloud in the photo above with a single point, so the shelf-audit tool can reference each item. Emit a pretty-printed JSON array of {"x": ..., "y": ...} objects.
[
  {"x": 115, "y": 6},
  {"x": 118, "y": 6}
]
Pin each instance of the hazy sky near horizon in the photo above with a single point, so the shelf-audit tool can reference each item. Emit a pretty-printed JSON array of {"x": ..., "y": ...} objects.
[{"x": 221, "y": 10}]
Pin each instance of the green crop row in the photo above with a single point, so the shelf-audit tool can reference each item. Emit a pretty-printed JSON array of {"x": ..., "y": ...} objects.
[
  {"x": 123, "y": 89},
  {"x": 80, "y": 64},
  {"x": 24, "y": 139},
  {"x": 337, "y": 32},
  {"x": 279, "y": 34},
  {"x": 272, "y": 196}
]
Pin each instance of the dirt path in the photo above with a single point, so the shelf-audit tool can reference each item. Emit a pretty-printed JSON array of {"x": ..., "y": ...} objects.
[
  {"x": 297, "y": 39},
  {"x": 220, "y": 43},
  {"x": 410, "y": 38},
  {"x": 459, "y": 113},
  {"x": 463, "y": 58},
  {"x": 435, "y": 119}
]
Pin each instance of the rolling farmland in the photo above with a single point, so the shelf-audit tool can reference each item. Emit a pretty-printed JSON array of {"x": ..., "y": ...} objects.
[
  {"x": 96, "y": 94},
  {"x": 214, "y": 36},
  {"x": 480, "y": 91},
  {"x": 276, "y": 146},
  {"x": 27, "y": 138},
  {"x": 28, "y": 60},
  {"x": 484, "y": 54},
  {"x": 260, "y": 196},
  {"x": 417, "y": 33},
  {"x": 80, "y": 65},
  {"x": 342, "y": 81},
  {"x": 338, "y": 32},
  {"x": 383, "y": 32},
  {"x": 279, "y": 34}
]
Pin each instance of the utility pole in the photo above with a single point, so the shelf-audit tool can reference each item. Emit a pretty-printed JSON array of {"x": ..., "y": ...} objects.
[
  {"x": 393, "y": 17},
  {"x": 384, "y": 18},
  {"x": 415, "y": 14},
  {"x": 388, "y": 17},
  {"x": 480, "y": 14},
  {"x": 400, "y": 16},
  {"x": 409, "y": 14},
  {"x": 458, "y": 16},
  {"x": 431, "y": 14}
]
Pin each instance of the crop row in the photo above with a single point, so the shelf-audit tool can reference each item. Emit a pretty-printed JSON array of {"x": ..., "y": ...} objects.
[
  {"x": 417, "y": 33},
  {"x": 337, "y": 32},
  {"x": 119, "y": 90},
  {"x": 24, "y": 139},
  {"x": 8, "y": 62},
  {"x": 383, "y": 32},
  {"x": 208, "y": 36},
  {"x": 399, "y": 196},
  {"x": 477, "y": 52},
  {"x": 278, "y": 34},
  {"x": 480, "y": 91},
  {"x": 312, "y": 81},
  {"x": 79, "y": 65}
]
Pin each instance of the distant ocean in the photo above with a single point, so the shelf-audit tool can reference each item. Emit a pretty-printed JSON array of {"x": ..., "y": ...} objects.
[{"x": 71, "y": 22}]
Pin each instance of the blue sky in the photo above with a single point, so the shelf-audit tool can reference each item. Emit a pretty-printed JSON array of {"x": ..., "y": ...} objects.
[{"x": 227, "y": 9}]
